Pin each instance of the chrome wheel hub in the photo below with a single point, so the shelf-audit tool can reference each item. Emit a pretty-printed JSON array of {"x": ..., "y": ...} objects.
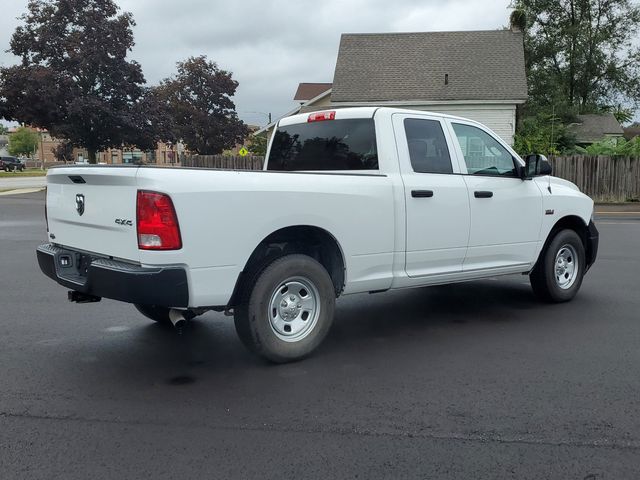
[
  {"x": 294, "y": 309},
  {"x": 566, "y": 266}
]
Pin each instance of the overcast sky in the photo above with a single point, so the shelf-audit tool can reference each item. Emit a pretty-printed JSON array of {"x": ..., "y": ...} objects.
[{"x": 271, "y": 45}]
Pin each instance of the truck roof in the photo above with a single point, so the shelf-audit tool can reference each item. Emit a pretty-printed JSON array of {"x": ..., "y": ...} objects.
[{"x": 342, "y": 113}]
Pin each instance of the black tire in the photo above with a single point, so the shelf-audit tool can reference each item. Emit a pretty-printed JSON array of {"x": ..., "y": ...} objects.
[
  {"x": 252, "y": 315},
  {"x": 546, "y": 282},
  {"x": 155, "y": 313}
]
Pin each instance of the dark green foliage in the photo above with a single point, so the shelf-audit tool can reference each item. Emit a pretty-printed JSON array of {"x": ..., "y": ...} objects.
[
  {"x": 63, "y": 151},
  {"x": 74, "y": 78},
  {"x": 543, "y": 133},
  {"x": 581, "y": 57},
  {"x": 518, "y": 19},
  {"x": 258, "y": 144},
  {"x": 198, "y": 100},
  {"x": 581, "y": 53},
  {"x": 24, "y": 141}
]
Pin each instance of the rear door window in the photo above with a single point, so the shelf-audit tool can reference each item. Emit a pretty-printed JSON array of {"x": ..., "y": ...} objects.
[
  {"x": 428, "y": 149},
  {"x": 348, "y": 144}
]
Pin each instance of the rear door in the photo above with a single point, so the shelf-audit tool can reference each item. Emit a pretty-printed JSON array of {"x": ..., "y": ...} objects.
[
  {"x": 93, "y": 209},
  {"x": 437, "y": 206}
]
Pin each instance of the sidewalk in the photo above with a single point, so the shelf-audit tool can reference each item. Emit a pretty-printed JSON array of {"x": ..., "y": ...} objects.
[
  {"x": 632, "y": 207},
  {"x": 13, "y": 186}
]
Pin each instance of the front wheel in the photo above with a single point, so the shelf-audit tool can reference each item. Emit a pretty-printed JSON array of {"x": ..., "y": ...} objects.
[
  {"x": 558, "y": 274},
  {"x": 289, "y": 309}
]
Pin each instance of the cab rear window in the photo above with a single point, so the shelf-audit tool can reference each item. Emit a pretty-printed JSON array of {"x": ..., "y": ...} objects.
[{"x": 348, "y": 144}]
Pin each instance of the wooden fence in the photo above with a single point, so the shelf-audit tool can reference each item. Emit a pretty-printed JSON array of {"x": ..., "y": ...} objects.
[
  {"x": 224, "y": 161},
  {"x": 605, "y": 179}
]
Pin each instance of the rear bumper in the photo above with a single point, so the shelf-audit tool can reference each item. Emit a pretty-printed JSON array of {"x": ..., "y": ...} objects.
[
  {"x": 593, "y": 239},
  {"x": 103, "y": 277}
]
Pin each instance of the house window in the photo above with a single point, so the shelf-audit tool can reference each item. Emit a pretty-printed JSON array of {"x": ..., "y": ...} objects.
[
  {"x": 427, "y": 145},
  {"x": 132, "y": 157},
  {"x": 114, "y": 157},
  {"x": 483, "y": 154}
]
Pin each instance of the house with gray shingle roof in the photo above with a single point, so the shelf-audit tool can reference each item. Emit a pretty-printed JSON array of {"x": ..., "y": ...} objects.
[
  {"x": 595, "y": 127},
  {"x": 474, "y": 74}
]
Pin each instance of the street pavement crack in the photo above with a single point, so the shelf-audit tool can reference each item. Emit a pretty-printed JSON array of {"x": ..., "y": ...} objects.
[{"x": 606, "y": 443}]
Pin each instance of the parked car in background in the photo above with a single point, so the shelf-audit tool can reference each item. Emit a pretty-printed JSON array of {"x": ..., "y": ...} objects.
[{"x": 11, "y": 164}]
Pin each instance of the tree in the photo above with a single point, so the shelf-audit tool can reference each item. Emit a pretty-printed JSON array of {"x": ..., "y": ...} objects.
[
  {"x": 543, "y": 133},
  {"x": 581, "y": 55},
  {"x": 74, "y": 78},
  {"x": 63, "y": 151},
  {"x": 3, "y": 130},
  {"x": 258, "y": 144},
  {"x": 24, "y": 141},
  {"x": 199, "y": 101}
]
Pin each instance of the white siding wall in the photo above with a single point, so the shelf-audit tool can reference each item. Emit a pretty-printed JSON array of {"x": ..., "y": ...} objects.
[{"x": 501, "y": 118}]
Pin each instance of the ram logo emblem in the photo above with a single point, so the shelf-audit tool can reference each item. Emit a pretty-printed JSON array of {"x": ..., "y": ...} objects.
[{"x": 80, "y": 203}]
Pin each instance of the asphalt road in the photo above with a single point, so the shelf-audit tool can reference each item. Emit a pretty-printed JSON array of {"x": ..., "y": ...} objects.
[{"x": 468, "y": 381}]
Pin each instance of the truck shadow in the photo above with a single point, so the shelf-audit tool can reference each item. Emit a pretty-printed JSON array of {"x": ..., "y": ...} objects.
[
  {"x": 361, "y": 317},
  {"x": 366, "y": 327}
]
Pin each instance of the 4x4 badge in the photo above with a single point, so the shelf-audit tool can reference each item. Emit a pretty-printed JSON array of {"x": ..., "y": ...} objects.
[{"x": 80, "y": 203}]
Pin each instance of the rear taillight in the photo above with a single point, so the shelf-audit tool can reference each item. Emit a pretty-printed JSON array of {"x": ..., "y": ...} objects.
[
  {"x": 158, "y": 227},
  {"x": 320, "y": 116}
]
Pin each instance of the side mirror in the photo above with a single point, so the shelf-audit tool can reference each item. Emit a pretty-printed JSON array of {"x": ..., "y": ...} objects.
[{"x": 536, "y": 165}]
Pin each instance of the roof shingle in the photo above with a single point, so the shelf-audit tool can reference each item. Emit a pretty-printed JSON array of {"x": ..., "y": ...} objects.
[
  {"x": 478, "y": 65},
  {"x": 595, "y": 127}
]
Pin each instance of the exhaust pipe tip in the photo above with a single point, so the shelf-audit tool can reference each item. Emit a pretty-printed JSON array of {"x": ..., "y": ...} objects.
[{"x": 178, "y": 319}]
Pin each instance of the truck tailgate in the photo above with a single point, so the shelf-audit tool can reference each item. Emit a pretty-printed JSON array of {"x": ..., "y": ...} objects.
[{"x": 94, "y": 209}]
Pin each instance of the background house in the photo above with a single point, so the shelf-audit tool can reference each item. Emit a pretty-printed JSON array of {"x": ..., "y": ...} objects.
[
  {"x": 592, "y": 128},
  {"x": 475, "y": 74},
  {"x": 318, "y": 93}
]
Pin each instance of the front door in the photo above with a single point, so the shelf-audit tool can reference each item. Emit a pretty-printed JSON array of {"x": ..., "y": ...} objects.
[{"x": 506, "y": 211}]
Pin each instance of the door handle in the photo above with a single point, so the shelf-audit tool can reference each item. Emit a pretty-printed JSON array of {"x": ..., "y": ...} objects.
[
  {"x": 482, "y": 194},
  {"x": 422, "y": 193}
]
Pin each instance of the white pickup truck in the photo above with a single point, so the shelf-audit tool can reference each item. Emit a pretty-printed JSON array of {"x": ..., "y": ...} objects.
[{"x": 350, "y": 201}]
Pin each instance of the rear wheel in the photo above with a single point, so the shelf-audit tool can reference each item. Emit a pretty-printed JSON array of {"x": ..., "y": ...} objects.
[
  {"x": 155, "y": 313},
  {"x": 288, "y": 310},
  {"x": 557, "y": 276}
]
